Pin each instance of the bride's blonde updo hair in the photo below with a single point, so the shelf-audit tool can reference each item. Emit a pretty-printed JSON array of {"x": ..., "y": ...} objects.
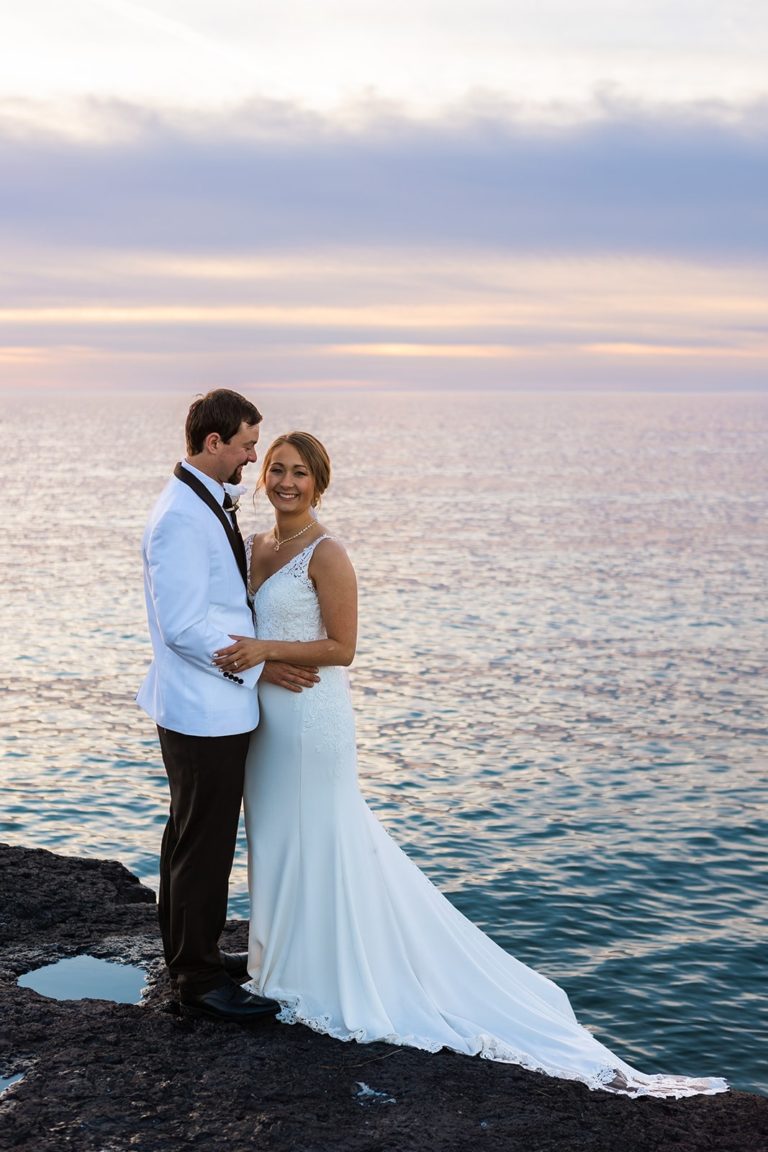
[{"x": 312, "y": 452}]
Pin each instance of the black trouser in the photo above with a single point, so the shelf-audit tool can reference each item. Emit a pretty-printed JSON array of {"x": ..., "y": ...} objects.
[{"x": 205, "y": 774}]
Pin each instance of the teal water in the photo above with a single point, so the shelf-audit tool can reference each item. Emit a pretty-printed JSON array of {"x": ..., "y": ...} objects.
[{"x": 560, "y": 685}]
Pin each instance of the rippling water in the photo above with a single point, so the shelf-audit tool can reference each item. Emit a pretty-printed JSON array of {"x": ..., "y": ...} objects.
[{"x": 560, "y": 683}]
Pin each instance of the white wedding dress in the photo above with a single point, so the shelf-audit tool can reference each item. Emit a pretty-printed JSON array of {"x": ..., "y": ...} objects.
[{"x": 347, "y": 933}]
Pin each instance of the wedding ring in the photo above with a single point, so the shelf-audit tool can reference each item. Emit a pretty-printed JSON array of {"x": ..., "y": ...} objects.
[{"x": 235, "y": 663}]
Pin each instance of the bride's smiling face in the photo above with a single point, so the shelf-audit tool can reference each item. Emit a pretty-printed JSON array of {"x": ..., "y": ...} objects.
[{"x": 288, "y": 483}]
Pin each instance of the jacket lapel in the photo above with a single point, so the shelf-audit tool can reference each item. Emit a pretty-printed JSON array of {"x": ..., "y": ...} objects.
[{"x": 236, "y": 542}]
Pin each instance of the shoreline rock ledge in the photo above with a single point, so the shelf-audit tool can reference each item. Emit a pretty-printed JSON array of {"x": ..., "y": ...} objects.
[{"x": 105, "y": 1077}]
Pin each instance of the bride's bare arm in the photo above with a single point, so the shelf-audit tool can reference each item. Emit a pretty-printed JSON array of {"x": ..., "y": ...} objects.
[{"x": 334, "y": 577}]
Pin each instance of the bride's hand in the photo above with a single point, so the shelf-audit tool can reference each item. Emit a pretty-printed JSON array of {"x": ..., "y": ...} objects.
[{"x": 243, "y": 654}]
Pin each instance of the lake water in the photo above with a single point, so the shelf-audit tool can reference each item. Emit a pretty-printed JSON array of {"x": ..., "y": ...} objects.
[{"x": 560, "y": 684}]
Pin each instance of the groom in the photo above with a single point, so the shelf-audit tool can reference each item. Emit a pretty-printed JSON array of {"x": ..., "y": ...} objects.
[{"x": 196, "y": 596}]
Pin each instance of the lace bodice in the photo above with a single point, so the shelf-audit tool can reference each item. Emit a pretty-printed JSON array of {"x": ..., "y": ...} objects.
[
  {"x": 286, "y": 605},
  {"x": 286, "y": 608}
]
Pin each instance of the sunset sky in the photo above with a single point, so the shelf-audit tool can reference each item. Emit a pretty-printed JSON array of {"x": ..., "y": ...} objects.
[{"x": 567, "y": 194}]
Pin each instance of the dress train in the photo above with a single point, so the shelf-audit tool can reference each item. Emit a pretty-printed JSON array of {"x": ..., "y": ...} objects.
[{"x": 348, "y": 934}]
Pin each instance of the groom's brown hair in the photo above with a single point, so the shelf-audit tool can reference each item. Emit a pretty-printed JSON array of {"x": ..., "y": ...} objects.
[{"x": 219, "y": 411}]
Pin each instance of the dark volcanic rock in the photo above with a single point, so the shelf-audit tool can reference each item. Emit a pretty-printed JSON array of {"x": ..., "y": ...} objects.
[{"x": 103, "y": 1077}]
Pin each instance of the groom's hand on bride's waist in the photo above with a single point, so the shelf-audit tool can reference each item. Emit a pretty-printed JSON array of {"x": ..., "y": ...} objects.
[{"x": 294, "y": 677}]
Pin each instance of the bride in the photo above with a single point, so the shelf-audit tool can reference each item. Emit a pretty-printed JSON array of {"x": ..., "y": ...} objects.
[{"x": 345, "y": 931}]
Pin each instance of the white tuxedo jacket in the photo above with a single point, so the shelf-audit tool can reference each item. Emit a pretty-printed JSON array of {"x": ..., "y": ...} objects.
[{"x": 195, "y": 601}]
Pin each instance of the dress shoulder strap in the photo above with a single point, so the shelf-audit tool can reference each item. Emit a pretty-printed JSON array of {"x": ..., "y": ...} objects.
[
  {"x": 248, "y": 554},
  {"x": 300, "y": 563},
  {"x": 311, "y": 547}
]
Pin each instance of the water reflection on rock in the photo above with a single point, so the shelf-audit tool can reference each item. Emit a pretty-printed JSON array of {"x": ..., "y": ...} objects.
[
  {"x": 7, "y": 1081},
  {"x": 87, "y": 978}
]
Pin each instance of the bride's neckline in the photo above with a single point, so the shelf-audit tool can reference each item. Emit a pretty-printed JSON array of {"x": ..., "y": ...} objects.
[{"x": 255, "y": 591}]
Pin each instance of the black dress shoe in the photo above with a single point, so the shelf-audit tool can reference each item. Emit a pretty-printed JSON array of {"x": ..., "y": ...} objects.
[
  {"x": 235, "y": 964},
  {"x": 229, "y": 1002}
]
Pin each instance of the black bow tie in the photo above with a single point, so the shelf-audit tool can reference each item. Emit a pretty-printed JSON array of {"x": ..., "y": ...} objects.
[{"x": 229, "y": 506}]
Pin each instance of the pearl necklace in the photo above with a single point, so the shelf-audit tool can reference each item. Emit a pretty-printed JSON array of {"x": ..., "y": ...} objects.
[{"x": 295, "y": 536}]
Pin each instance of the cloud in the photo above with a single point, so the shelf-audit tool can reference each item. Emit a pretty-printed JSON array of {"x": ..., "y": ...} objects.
[
  {"x": 686, "y": 181},
  {"x": 385, "y": 318},
  {"x": 624, "y": 248},
  {"x": 202, "y": 53}
]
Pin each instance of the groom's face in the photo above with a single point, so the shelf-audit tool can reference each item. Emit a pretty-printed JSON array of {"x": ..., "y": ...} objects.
[{"x": 240, "y": 450}]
